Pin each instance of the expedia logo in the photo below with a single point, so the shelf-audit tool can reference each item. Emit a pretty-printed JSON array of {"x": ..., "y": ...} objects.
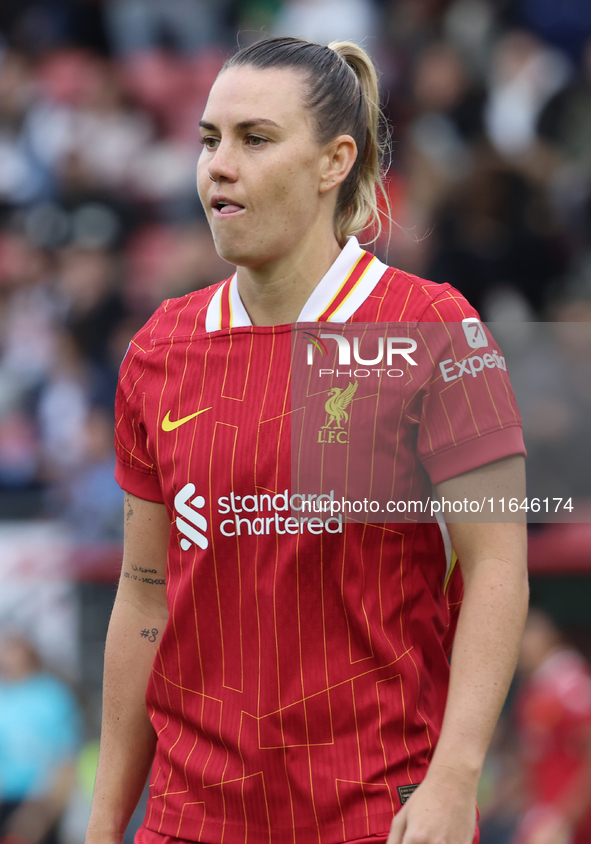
[
  {"x": 194, "y": 525},
  {"x": 336, "y": 414},
  {"x": 451, "y": 370},
  {"x": 475, "y": 333}
]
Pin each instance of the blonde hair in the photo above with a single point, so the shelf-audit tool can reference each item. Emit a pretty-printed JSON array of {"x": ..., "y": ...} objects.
[
  {"x": 343, "y": 95},
  {"x": 357, "y": 205}
]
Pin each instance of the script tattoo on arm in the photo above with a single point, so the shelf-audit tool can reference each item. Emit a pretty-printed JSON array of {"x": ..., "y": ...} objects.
[
  {"x": 152, "y": 581},
  {"x": 128, "y": 508}
]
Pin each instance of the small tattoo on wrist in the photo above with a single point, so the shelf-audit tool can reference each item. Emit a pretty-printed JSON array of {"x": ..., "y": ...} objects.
[{"x": 150, "y": 635}]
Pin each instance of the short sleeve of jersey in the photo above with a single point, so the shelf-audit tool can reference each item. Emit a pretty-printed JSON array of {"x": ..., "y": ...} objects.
[
  {"x": 469, "y": 415},
  {"x": 135, "y": 469}
]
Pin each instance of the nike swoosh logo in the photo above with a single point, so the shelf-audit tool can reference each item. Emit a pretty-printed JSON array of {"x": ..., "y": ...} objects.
[{"x": 167, "y": 425}]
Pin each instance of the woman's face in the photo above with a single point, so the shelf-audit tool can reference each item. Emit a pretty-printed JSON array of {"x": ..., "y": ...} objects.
[{"x": 260, "y": 171}]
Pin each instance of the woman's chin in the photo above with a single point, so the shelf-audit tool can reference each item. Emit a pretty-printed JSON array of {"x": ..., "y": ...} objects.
[
  {"x": 240, "y": 255},
  {"x": 233, "y": 252}
]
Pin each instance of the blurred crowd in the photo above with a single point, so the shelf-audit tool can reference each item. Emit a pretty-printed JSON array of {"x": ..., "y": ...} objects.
[
  {"x": 488, "y": 105},
  {"x": 40, "y": 737},
  {"x": 536, "y": 786}
]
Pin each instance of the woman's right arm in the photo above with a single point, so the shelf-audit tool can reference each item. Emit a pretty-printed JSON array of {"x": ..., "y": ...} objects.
[{"x": 139, "y": 616}]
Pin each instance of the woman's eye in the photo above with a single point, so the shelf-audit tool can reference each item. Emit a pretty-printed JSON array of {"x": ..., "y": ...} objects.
[
  {"x": 209, "y": 143},
  {"x": 255, "y": 141}
]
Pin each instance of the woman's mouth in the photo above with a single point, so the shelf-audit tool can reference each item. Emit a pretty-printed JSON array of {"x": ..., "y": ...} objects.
[{"x": 224, "y": 208}]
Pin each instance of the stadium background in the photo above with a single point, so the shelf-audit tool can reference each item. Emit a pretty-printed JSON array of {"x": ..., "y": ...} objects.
[{"x": 489, "y": 108}]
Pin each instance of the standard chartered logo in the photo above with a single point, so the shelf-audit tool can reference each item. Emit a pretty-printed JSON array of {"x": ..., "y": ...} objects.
[
  {"x": 191, "y": 523},
  {"x": 256, "y": 514}
]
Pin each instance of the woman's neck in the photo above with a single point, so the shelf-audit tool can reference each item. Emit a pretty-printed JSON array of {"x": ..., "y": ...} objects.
[{"x": 276, "y": 293}]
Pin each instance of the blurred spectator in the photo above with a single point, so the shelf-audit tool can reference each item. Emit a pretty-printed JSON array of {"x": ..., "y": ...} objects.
[
  {"x": 28, "y": 315},
  {"x": 19, "y": 451},
  {"x": 499, "y": 790},
  {"x": 525, "y": 74},
  {"x": 439, "y": 134},
  {"x": 414, "y": 24},
  {"x": 27, "y": 350},
  {"x": 23, "y": 175},
  {"x": 323, "y": 21},
  {"x": 83, "y": 104},
  {"x": 88, "y": 498},
  {"x": 566, "y": 120},
  {"x": 554, "y": 725},
  {"x": 447, "y": 121},
  {"x": 40, "y": 733},
  {"x": 189, "y": 25},
  {"x": 163, "y": 262},
  {"x": 93, "y": 306},
  {"x": 104, "y": 130},
  {"x": 35, "y": 24},
  {"x": 470, "y": 26},
  {"x": 566, "y": 24},
  {"x": 251, "y": 17},
  {"x": 550, "y": 368},
  {"x": 565, "y": 128},
  {"x": 495, "y": 233},
  {"x": 64, "y": 402},
  {"x": 39, "y": 25}
]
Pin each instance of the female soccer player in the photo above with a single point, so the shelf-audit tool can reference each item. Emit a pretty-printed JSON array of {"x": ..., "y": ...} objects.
[{"x": 296, "y": 666}]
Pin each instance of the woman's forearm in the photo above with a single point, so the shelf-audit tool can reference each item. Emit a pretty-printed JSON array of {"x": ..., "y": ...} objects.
[
  {"x": 483, "y": 659},
  {"x": 128, "y": 740},
  {"x": 493, "y": 560},
  {"x": 137, "y": 623}
]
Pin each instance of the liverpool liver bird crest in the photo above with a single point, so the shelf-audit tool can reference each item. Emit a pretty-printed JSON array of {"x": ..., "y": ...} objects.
[{"x": 338, "y": 400}]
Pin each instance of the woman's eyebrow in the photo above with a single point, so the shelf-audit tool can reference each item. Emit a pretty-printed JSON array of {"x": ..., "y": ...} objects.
[
  {"x": 258, "y": 121},
  {"x": 245, "y": 124}
]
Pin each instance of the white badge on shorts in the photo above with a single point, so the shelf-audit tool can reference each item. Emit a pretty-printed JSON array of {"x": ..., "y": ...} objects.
[{"x": 475, "y": 333}]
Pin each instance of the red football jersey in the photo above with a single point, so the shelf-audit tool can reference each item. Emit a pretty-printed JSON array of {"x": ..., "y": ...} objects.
[{"x": 300, "y": 683}]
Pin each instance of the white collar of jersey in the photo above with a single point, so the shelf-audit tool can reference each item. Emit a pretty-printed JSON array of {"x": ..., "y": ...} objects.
[{"x": 325, "y": 292}]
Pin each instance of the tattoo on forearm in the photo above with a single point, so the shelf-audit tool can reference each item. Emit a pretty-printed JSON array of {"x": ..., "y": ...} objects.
[
  {"x": 150, "y": 635},
  {"x": 153, "y": 581},
  {"x": 128, "y": 508}
]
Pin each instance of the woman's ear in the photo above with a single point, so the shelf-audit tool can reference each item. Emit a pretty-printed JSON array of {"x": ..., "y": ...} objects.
[{"x": 340, "y": 157}]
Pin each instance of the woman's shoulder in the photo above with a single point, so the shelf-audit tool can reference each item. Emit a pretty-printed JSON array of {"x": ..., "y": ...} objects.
[
  {"x": 405, "y": 297},
  {"x": 178, "y": 317}
]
